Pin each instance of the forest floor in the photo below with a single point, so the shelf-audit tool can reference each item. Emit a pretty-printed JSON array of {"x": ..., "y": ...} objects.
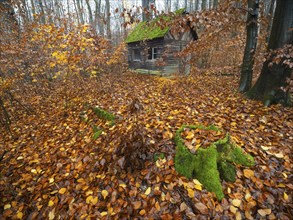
[{"x": 53, "y": 168}]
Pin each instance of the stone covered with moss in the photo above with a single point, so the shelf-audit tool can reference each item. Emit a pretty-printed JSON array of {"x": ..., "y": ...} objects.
[
  {"x": 103, "y": 114},
  {"x": 210, "y": 165}
]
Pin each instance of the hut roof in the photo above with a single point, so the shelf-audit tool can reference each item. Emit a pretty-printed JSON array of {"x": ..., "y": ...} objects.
[{"x": 152, "y": 29}]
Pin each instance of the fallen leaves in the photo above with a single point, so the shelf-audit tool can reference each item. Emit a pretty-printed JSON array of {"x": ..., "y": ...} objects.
[
  {"x": 248, "y": 173},
  {"x": 68, "y": 172},
  {"x": 92, "y": 200},
  {"x": 264, "y": 212},
  {"x": 203, "y": 209}
]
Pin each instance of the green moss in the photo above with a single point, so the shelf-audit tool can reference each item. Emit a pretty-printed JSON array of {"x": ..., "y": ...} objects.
[
  {"x": 150, "y": 30},
  {"x": 104, "y": 114},
  {"x": 184, "y": 160},
  {"x": 227, "y": 171},
  {"x": 97, "y": 134},
  {"x": 209, "y": 164},
  {"x": 206, "y": 171},
  {"x": 241, "y": 158},
  {"x": 158, "y": 156}
]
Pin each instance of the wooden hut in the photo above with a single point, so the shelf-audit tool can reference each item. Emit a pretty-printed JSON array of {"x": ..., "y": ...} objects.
[{"x": 152, "y": 49}]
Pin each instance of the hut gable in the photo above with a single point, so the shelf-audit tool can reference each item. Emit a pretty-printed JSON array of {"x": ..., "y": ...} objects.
[{"x": 152, "y": 47}]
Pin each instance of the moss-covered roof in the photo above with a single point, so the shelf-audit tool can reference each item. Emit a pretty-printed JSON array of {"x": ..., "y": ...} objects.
[{"x": 150, "y": 30}]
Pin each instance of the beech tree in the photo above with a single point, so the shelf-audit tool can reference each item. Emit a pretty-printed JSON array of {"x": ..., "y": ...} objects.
[
  {"x": 272, "y": 85},
  {"x": 251, "y": 41}
]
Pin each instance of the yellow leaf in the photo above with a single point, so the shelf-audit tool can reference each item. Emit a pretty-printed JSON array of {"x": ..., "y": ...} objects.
[
  {"x": 285, "y": 196},
  {"x": 51, "y": 180},
  {"x": 190, "y": 192},
  {"x": 7, "y": 206},
  {"x": 197, "y": 146},
  {"x": 189, "y": 136},
  {"x": 104, "y": 213},
  {"x": 236, "y": 202},
  {"x": 19, "y": 215},
  {"x": 238, "y": 216},
  {"x": 89, "y": 199},
  {"x": 142, "y": 212},
  {"x": 196, "y": 182},
  {"x": 281, "y": 185},
  {"x": 233, "y": 209},
  {"x": 265, "y": 148},
  {"x": 52, "y": 215},
  {"x": 122, "y": 185},
  {"x": 90, "y": 192},
  {"x": 62, "y": 190},
  {"x": 233, "y": 124},
  {"x": 198, "y": 187},
  {"x": 95, "y": 200},
  {"x": 248, "y": 173},
  {"x": 50, "y": 203},
  {"x": 104, "y": 193},
  {"x": 148, "y": 191}
]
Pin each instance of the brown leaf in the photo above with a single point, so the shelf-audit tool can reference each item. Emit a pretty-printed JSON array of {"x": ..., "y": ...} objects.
[{"x": 202, "y": 208}]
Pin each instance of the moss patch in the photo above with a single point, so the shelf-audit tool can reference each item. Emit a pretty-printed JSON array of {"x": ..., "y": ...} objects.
[
  {"x": 150, "y": 30},
  {"x": 212, "y": 163},
  {"x": 102, "y": 114}
]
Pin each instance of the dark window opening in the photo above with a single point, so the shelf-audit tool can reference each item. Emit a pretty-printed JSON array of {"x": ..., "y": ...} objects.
[{"x": 136, "y": 54}]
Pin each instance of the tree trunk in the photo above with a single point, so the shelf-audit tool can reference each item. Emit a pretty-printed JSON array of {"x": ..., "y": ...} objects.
[
  {"x": 91, "y": 19},
  {"x": 271, "y": 83},
  {"x": 251, "y": 41},
  {"x": 215, "y": 3},
  {"x": 145, "y": 9},
  {"x": 108, "y": 16},
  {"x": 80, "y": 11},
  {"x": 196, "y": 7},
  {"x": 203, "y": 4},
  {"x": 42, "y": 12},
  {"x": 99, "y": 24},
  {"x": 270, "y": 17}
]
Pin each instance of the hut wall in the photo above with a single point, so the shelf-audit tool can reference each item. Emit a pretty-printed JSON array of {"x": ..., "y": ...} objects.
[{"x": 164, "y": 48}]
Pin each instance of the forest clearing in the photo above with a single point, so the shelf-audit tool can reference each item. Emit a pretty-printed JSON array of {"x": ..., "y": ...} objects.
[{"x": 84, "y": 136}]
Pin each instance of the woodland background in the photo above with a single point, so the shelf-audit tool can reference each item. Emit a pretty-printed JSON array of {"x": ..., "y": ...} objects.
[{"x": 60, "y": 59}]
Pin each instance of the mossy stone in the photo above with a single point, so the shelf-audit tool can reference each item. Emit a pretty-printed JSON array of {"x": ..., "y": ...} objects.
[
  {"x": 212, "y": 164},
  {"x": 227, "y": 171},
  {"x": 206, "y": 171},
  {"x": 104, "y": 114}
]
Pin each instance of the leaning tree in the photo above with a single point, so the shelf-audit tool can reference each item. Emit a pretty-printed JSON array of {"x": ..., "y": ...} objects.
[{"x": 273, "y": 84}]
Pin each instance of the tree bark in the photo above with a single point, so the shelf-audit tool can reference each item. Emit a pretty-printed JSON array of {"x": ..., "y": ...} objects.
[
  {"x": 203, "y": 4},
  {"x": 42, "y": 12},
  {"x": 270, "y": 16},
  {"x": 215, "y": 3},
  {"x": 251, "y": 41},
  {"x": 80, "y": 11},
  {"x": 145, "y": 9},
  {"x": 271, "y": 83},
  {"x": 98, "y": 18},
  {"x": 196, "y": 7},
  {"x": 108, "y": 16},
  {"x": 91, "y": 19}
]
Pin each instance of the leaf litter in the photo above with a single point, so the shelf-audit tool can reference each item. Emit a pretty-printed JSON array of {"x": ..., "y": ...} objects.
[{"x": 55, "y": 169}]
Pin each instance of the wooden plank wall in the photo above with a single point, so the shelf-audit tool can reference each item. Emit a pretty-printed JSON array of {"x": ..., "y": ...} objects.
[{"x": 172, "y": 64}]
